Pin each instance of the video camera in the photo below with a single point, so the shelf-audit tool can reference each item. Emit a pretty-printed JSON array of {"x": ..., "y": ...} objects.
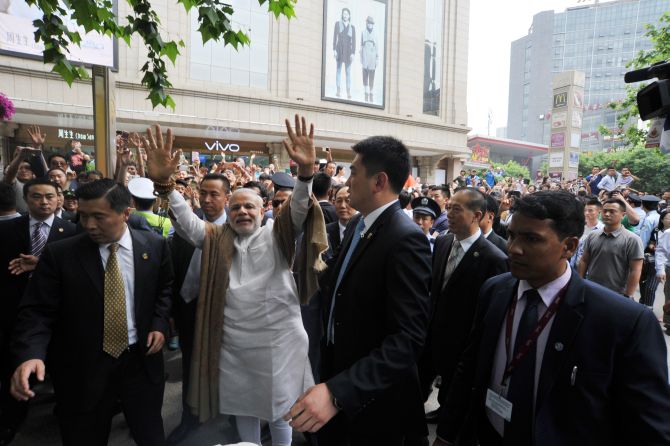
[{"x": 654, "y": 99}]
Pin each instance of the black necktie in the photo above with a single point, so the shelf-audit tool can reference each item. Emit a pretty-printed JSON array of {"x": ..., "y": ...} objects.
[{"x": 518, "y": 432}]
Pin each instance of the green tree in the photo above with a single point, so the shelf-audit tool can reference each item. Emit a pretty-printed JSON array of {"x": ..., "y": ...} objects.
[
  {"x": 513, "y": 169},
  {"x": 214, "y": 18},
  {"x": 650, "y": 165},
  {"x": 659, "y": 35}
]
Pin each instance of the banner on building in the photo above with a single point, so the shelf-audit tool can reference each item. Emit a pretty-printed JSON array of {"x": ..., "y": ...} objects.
[
  {"x": 559, "y": 120},
  {"x": 556, "y": 159},
  {"x": 558, "y": 140},
  {"x": 354, "y": 52},
  {"x": 17, "y": 36},
  {"x": 480, "y": 153}
]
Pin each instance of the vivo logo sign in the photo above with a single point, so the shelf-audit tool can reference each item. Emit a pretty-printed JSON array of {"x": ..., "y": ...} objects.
[{"x": 216, "y": 145}]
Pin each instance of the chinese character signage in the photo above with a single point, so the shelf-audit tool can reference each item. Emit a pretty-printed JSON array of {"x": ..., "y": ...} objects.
[{"x": 558, "y": 140}]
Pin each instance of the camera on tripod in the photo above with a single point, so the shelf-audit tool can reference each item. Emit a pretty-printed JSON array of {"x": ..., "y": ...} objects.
[{"x": 653, "y": 101}]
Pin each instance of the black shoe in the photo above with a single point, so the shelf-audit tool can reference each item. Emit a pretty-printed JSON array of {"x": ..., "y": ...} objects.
[
  {"x": 6, "y": 435},
  {"x": 433, "y": 416},
  {"x": 180, "y": 433}
]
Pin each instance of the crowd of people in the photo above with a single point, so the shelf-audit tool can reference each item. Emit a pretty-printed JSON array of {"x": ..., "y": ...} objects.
[{"x": 332, "y": 305}]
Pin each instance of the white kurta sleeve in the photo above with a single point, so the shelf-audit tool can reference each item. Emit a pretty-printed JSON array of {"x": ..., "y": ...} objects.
[
  {"x": 185, "y": 222},
  {"x": 300, "y": 204}
]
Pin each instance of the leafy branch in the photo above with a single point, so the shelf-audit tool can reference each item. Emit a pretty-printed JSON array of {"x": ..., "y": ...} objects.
[
  {"x": 214, "y": 19},
  {"x": 659, "y": 35}
]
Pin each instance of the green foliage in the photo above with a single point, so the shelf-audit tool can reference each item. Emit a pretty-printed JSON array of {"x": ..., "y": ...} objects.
[
  {"x": 659, "y": 36},
  {"x": 97, "y": 15},
  {"x": 650, "y": 165},
  {"x": 513, "y": 169}
]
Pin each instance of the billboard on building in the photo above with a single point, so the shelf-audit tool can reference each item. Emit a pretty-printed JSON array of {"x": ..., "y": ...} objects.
[
  {"x": 354, "y": 52},
  {"x": 432, "y": 57},
  {"x": 480, "y": 153},
  {"x": 17, "y": 36}
]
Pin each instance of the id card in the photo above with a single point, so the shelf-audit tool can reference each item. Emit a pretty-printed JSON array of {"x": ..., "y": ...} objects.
[{"x": 498, "y": 405}]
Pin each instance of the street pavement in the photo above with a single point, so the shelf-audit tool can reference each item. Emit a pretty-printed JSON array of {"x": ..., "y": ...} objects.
[{"x": 40, "y": 428}]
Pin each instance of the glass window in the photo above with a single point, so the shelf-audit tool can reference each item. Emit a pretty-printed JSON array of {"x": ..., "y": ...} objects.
[
  {"x": 248, "y": 65},
  {"x": 432, "y": 63}
]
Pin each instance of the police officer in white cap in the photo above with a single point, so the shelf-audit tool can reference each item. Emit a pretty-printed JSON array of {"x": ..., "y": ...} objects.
[
  {"x": 425, "y": 211},
  {"x": 142, "y": 190}
]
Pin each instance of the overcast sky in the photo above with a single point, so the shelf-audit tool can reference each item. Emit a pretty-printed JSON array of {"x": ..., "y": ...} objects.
[{"x": 494, "y": 24}]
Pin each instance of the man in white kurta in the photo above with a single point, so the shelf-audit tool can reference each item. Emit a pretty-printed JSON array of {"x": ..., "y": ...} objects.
[{"x": 264, "y": 365}]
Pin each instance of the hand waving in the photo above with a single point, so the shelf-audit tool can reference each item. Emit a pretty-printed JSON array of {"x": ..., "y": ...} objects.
[
  {"x": 161, "y": 161},
  {"x": 36, "y": 135},
  {"x": 300, "y": 145}
]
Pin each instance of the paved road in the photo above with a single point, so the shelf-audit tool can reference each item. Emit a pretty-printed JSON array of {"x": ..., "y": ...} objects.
[{"x": 41, "y": 429}]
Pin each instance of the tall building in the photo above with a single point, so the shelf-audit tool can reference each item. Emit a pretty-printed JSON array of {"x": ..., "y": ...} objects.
[
  {"x": 355, "y": 68},
  {"x": 598, "y": 39}
]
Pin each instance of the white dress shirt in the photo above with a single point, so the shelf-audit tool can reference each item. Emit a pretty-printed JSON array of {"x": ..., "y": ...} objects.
[
  {"x": 372, "y": 217},
  {"x": 663, "y": 252},
  {"x": 547, "y": 293},
  {"x": 44, "y": 229},
  {"x": 466, "y": 243},
  {"x": 190, "y": 289},
  {"x": 126, "y": 261},
  {"x": 342, "y": 229}
]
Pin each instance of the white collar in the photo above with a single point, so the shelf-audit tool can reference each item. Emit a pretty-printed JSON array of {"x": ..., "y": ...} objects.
[
  {"x": 549, "y": 291},
  {"x": 221, "y": 220},
  {"x": 49, "y": 221},
  {"x": 486, "y": 236},
  {"x": 374, "y": 215},
  {"x": 126, "y": 241},
  {"x": 466, "y": 243}
]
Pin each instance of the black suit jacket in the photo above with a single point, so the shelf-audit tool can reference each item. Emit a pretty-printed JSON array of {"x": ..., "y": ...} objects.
[
  {"x": 454, "y": 306},
  {"x": 380, "y": 318},
  {"x": 15, "y": 236},
  {"x": 329, "y": 213},
  {"x": 61, "y": 316},
  {"x": 498, "y": 241},
  {"x": 621, "y": 393},
  {"x": 333, "y": 231}
]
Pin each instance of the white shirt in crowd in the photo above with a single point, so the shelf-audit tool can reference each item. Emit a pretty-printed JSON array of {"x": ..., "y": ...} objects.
[{"x": 126, "y": 261}]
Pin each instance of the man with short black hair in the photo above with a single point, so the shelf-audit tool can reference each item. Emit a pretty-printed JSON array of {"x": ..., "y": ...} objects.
[
  {"x": 7, "y": 202},
  {"x": 57, "y": 161},
  {"x": 463, "y": 260},
  {"x": 320, "y": 187},
  {"x": 103, "y": 324},
  {"x": 440, "y": 194},
  {"x": 527, "y": 376},
  {"x": 22, "y": 241},
  {"x": 592, "y": 208},
  {"x": 186, "y": 260},
  {"x": 486, "y": 224},
  {"x": 613, "y": 255},
  {"x": 369, "y": 394},
  {"x": 20, "y": 171}
]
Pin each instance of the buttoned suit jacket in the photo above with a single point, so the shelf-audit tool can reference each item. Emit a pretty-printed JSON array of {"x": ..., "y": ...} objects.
[
  {"x": 15, "y": 236},
  {"x": 61, "y": 317},
  {"x": 380, "y": 318},
  {"x": 333, "y": 231},
  {"x": 619, "y": 392},
  {"x": 454, "y": 305}
]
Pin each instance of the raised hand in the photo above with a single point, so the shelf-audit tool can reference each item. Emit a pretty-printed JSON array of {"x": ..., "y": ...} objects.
[
  {"x": 161, "y": 161},
  {"x": 36, "y": 135},
  {"x": 135, "y": 140},
  {"x": 300, "y": 145}
]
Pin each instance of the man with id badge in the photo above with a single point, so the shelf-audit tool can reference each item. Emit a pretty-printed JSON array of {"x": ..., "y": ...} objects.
[{"x": 554, "y": 359}]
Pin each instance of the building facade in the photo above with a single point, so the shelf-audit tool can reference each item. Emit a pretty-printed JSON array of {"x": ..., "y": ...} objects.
[
  {"x": 232, "y": 103},
  {"x": 598, "y": 39}
]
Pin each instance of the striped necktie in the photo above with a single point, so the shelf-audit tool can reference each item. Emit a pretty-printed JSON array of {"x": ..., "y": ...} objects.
[
  {"x": 115, "y": 339},
  {"x": 37, "y": 240}
]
